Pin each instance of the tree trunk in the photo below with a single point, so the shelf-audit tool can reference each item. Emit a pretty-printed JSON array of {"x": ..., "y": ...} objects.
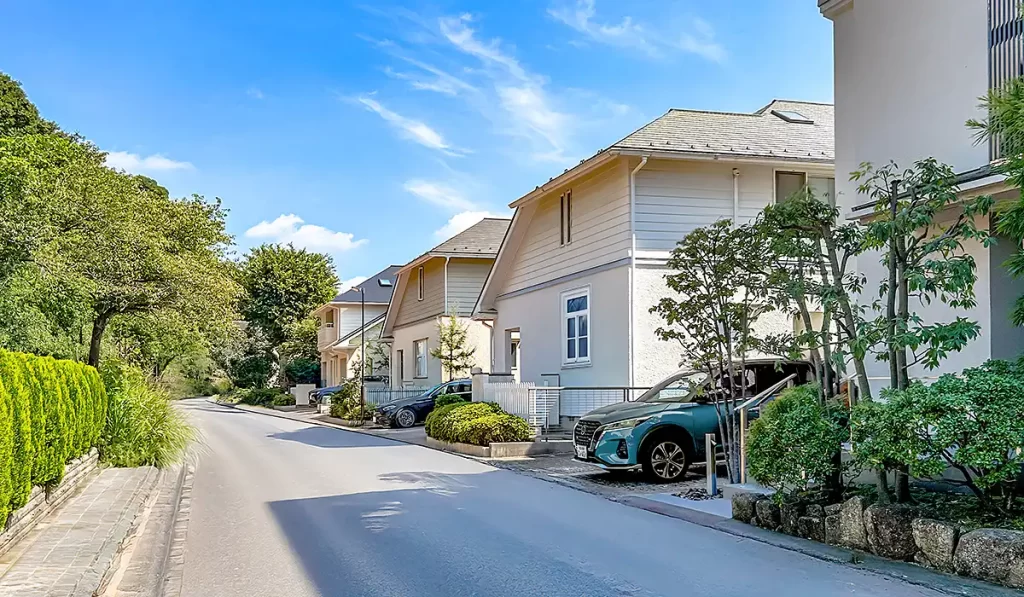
[
  {"x": 903, "y": 484},
  {"x": 99, "y": 325},
  {"x": 846, "y": 310},
  {"x": 882, "y": 486},
  {"x": 891, "y": 291}
]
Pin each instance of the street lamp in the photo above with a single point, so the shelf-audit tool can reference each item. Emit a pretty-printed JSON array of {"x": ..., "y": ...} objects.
[{"x": 383, "y": 283}]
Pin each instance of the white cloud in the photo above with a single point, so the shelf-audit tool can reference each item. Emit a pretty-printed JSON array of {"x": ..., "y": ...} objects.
[
  {"x": 290, "y": 228},
  {"x": 413, "y": 130},
  {"x": 456, "y": 31},
  {"x": 136, "y": 164},
  {"x": 441, "y": 82},
  {"x": 351, "y": 283},
  {"x": 627, "y": 33},
  {"x": 254, "y": 93},
  {"x": 439, "y": 194},
  {"x": 462, "y": 221}
]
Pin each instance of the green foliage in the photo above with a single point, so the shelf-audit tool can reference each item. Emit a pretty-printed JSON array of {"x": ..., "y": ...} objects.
[
  {"x": 453, "y": 348},
  {"x": 18, "y": 390},
  {"x": 345, "y": 403},
  {"x": 283, "y": 400},
  {"x": 6, "y": 451},
  {"x": 455, "y": 423},
  {"x": 303, "y": 370},
  {"x": 446, "y": 399},
  {"x": 258, "y": 396},
  {"x": 37, "y": 410},
  {"x": 18, "y": 116},
  {"x": 971, "y": 421},
  {"x": 497, "y": 427},
  {"x": 142, "y": 426}
]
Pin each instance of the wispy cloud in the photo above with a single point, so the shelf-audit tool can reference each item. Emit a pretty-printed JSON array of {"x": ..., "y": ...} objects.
[
  {"x": 462, "y": 221},
  {"x": 414, "y": 130},
  {"x": 440, "y": 81},
  {"x": 440, "y": 195},
  {"x": 136, "y": 164},
  {"x": 254, "y": 93},
  {"x": 698, "y": 38},
  {"x": 290, "y": 228}
]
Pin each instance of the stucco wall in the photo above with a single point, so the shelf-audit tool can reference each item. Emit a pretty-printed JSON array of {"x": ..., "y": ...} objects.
[
  {"x": 478, "y": 336},
  {"x": 908, "y": 74},
  {"x": 655, "y": 359},
  {"x": 537, "y": 314}
]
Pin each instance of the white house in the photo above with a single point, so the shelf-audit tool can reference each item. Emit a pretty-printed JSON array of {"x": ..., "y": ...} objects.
[
  {"x": 342, "y": 323},
  {"x": 908, "y": 75},
  {"x": 585, "y": 258},
  {"x": 445, "y": 280}
]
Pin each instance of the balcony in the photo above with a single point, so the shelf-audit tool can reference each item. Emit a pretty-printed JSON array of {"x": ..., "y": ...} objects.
[{"x": 326, "y": 335}]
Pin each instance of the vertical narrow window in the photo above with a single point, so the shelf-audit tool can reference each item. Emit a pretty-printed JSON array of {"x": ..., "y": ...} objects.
[
  {"x": 419, "y": 284},
  {"x": 400, "y": 365},
  {"x": 561, "y": 220},
  {"x": 565, "y": 218},
  {"x": 421, "y": 357},
  {"x": 576, "y": 327}
]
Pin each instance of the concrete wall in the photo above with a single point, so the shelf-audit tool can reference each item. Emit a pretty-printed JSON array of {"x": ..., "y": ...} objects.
[
  {"x": 479, "y": 336},
  {"x": 908, "y": 74},
  {"x": 537, "y": 315},
  {"x": 1006, "y": 339}
]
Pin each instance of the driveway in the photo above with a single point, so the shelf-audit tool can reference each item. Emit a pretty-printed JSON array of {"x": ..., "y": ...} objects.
[{"x": 280, "y": 507}]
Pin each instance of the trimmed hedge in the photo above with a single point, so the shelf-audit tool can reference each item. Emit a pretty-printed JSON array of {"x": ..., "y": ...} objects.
[
  {"x": 50, "y": 412},
  {"x": 477, "y": 423}
]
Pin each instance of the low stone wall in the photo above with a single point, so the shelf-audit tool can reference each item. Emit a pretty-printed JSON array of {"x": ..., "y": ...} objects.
[
  {"x": 41, "y": 502},
  {"x": 893, "y": 531},
  {"x": 467, "y": 449}
]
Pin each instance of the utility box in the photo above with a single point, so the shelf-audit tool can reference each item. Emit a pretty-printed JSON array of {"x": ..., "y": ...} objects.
[{"x": 301, "y": 393}]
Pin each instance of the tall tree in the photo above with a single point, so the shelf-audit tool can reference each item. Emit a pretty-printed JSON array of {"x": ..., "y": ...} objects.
[
  {"x": 19, "y": 116},
  {"x": 453, "y": 347}
]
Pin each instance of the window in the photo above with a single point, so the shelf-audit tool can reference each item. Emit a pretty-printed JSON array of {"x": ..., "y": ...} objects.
[
  {"x": 824, "y": 189},
  {"x": 792, "y": 117},
  {"x": 576, "y": 327},
  {"x": 419, "y": 284},
  {"x": 787, "y": 184},
  {"x": 400, "y": 364},
  {"x": 565, "y": 218},
  {"x": 420, "y": 348}
]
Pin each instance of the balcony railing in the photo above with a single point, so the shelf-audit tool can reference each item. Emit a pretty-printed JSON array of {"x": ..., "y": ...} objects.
[{"x": 326, "y": 334}]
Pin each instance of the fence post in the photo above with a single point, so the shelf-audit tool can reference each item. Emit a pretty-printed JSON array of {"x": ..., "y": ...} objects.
[
  {"x": 743, "y": 445},
  {"x": 712, "y": 463},
  {"x": 479, "y": 379}
]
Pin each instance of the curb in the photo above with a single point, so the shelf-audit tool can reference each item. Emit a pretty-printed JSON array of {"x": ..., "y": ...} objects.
[{"x": 172, "y": 570}]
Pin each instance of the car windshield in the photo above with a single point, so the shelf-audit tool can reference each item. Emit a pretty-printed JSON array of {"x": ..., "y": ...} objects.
[{"x": 679, "y": 388}]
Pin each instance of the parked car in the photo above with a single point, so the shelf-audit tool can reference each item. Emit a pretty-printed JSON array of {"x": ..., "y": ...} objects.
[
  {"x": 662, "y": 432},
  {"x": 406, "y": 412},
  {"x": 316, "y": 396}
]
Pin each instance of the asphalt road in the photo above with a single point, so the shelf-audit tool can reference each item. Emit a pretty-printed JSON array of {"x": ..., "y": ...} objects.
[{"x": 281, "y": 508}]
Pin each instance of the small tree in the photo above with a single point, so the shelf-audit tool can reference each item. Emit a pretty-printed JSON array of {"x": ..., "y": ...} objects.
[
  {"x": 719, "y": 300},
  {"x": 926, "y": 262},
  {"x": 453, "y": 350}
]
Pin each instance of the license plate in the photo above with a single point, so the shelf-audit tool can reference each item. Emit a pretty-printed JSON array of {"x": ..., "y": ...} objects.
[{"x": 581, "y": 452}]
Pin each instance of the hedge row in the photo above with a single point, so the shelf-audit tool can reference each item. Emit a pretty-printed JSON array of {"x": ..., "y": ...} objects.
[
  {"x": 50, "y": 412},
  {"x": 477, "y": 423}
]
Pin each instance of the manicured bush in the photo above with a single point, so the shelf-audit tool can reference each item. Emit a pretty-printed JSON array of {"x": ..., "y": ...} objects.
[
  {"x": 17, "y": 390},
  {"x": 6, "y": 452},
  {"x": 283, "y": 400},
  {"x": 496, "y": 427},
  {"x": 438, "y": 414},
  {"x": 142, "y": 425},
  {"x": 446, "y": 399},
  {"x": 793, "y": 443},
  {"x": 37, "y": 413},
  {"x": 451, "y": 423}
]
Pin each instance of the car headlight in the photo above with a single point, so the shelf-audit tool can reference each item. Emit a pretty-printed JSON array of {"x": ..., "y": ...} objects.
[
  {"x": 387, "y": 409},
  {"x": 625, "y": 424}
]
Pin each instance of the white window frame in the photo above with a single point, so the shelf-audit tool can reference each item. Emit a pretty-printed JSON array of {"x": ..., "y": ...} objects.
[
  {"x": 419, "y": 283},
  {"x": 564, "y": 298},
  {"x": 417, "y": 373}
]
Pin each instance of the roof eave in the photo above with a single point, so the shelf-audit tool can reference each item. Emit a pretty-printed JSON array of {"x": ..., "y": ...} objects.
[
  {"x": 566, "y": 177},
  {"x": 725, "y": 157}
]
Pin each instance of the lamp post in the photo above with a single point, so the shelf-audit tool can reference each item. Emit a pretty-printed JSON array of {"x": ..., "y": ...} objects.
[{"x": 383, "y": 283}]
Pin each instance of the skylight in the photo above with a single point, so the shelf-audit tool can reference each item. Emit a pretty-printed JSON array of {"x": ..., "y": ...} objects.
[{"x": 792, "y": 116}]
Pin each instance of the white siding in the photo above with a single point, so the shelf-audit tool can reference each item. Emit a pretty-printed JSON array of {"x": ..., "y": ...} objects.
[
  {"x": 465, "y": 279},
  {"x": 600, "y": 230},
  {"x": 351, "y": 319}
]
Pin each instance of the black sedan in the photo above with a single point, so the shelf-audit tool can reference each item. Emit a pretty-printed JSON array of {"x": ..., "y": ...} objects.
[{"x": 406, "y": 412}]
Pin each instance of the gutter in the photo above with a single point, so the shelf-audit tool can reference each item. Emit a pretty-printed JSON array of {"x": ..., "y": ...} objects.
[
  {"x": 966, "y": 177},
  {"x": 735, "y": 197},
  {"x": 632, "y": 264}
]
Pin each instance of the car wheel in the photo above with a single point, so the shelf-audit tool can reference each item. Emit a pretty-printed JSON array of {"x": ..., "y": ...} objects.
[
  {"x": 404, "y": 418},
  {"x": 664, "y": 460}
]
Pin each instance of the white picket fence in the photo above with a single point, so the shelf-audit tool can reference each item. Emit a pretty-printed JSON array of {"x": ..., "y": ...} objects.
[{"x": 539, "y": 406}]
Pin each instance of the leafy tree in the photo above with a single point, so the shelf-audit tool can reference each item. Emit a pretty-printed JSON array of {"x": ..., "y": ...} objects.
[
  {"x": 19, "y": 116},
  {"x": 718, "y": 297},
  {"x": 453, "y": 349},
  {"x": 926, "y": 262}
]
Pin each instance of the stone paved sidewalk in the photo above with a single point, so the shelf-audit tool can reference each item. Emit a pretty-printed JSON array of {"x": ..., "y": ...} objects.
[{"x": 67, "y": 554}]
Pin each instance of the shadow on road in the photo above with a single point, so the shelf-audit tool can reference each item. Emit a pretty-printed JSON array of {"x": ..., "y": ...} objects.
[{"x": 324, "y": 437}]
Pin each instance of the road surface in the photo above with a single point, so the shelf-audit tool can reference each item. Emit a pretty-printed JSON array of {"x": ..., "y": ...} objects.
[{"x": 281, "y": 508}]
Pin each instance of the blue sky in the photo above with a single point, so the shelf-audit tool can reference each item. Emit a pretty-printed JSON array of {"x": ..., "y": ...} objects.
[{"x": 370, "y": 130}]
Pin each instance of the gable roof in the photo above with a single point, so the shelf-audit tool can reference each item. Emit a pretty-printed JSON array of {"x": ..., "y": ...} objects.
[
  {"x": 375, "y": 293},
  {"x": 759, "y": 134}
]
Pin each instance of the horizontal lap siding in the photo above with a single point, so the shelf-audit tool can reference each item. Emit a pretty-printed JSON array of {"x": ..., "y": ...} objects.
[
  {"x": 465, "y": 279},
  {"x": 411, "y": 309},
  {"x": 351, "y": 318},
  {"x": 673, "y": 198},
  {"x": 600, "y": 230}
]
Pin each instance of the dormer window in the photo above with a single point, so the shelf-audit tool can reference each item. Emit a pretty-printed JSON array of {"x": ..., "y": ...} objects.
[{"x": 793, "y": 117}]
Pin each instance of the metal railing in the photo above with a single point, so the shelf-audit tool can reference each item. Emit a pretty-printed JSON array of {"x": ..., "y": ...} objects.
[
  {"x": 578, "y": 401},
  {"x": 756, "y": 402}
]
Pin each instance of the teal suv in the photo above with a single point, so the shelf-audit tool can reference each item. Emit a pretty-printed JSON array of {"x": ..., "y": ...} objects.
[{"x": 662, "y": 432}]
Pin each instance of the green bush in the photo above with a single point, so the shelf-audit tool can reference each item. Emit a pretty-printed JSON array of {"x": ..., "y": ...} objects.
[
  {"x": 258, "y": 396},
  {"x": 37, "y": 413},
  {"x": 6, "y": 452},
  {"x": 446, "y": 399},
  {"x": 17, "y": 390},
  {"x": 345, "y": 403},
  {"x": 453, "y": 422},
  {"x": 142, "y": 425},
  {"x": 793, "y": 443},
  {"x": 283, "y": 400},
  {"x": 496, "y": 427}
]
